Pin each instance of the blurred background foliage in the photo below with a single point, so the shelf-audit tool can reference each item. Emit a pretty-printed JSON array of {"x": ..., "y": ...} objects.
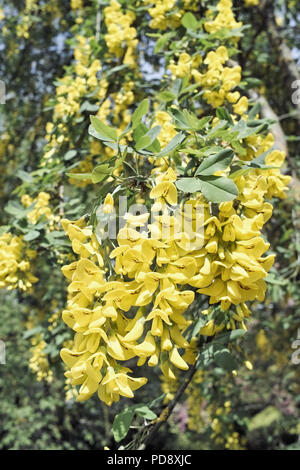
[{"x": 256, "y": 408}]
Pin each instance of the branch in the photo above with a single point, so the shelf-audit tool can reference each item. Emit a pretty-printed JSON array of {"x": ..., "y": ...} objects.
[
  {"x": 268, "y": 113},
  {"x": 166, "y": 413}
]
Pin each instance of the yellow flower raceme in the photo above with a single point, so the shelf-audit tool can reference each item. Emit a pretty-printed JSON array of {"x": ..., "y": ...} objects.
[
  {"x": 120, "y": 31},
  {"x": 168, "y": 131},
  {"x": 185, "y": 64},
  {"x": 224, "y": 19},
  {"x": 15, "y": 263},
  {"x": 134, "y": 305},
  {"x": 92, "y": 362},
  {"x": 163, "y": 15},
  {"x": 218, "y": 81},
  {"x": 97, "y": 309},
  {"x": 226, "y": 264},
  {"x": 76, "y": 4},
  {"x": 38, "y": 362},
  {"x": 41, "y": 208}
]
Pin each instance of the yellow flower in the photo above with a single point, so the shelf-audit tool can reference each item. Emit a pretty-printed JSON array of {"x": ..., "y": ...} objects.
[
  {"x": 241, "y": 106},
  {"x": 165, "y": 188}
]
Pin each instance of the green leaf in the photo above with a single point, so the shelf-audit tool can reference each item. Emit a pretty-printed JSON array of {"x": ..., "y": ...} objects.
[
  {"x": 122, "y": 424},
  {"x": 245, "y": 130},
  {"x": 154, "y": 403},
  {"x": 219, "y": 161},
  {"x": 253, "y": 82},
  {"x": 140, "y": 111},
  {"x": 118, "y": 147},
  {"x": 222, "y": 113},
  {"x": 27, "y": 334},
  {"x": 80, "y": 176},
  {"x": 126, "y": 130},
  {"x": 166, "y": 96},
  {"x": 188, "y": 121},
  {"x": 87, "y": 106},
  {"x": 15, "y": 209},
  {"x": 176, "y": 87},
  {"x": 31, "y": 235},
  {"x": 100, "y": 172},
  {"x": 147, "y": 139},
  {"x": 204, "y": 151},
  {"x": 4, "y": 229},
  {"x": 220, "y": 130},
  {"x": 162, "y": 41},
  {"x": 70, "y": 154},
  {"x": 172, "y": 145},
  {"x": 105, "y": 132},
  {"x": 224, "y": 359},
  {"x": 181, "y": 120},
  {"x": 237, "y": 146},
  {"x": 226, "y": 338},
  {"x": 189, "y": 185},
  {"x": 194, "y": 123},
  {"x": 202, "y": 122},
  {"x": 218, "y": 188},
  {"x": 139, "y": 131},
  {"x": 260, "y": 161},
  {"x": 24, "y": 176},
  {"x": 255, "y": 110},
  {"x": 260, "y": 122},
  {"x": 57, "y": 234},
  {"x": 188, "y": 89},
  {"x": 145, "y": 412},
  {"x": 198, "y": 325},
  {"x": 189, "y": 21},
  {"x": 116, "y": 69},
  {"x": 273, "y": 279}
]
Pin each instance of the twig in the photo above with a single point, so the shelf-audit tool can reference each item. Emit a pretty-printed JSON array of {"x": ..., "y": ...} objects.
[
  {"x": 166, "y": 413},
  {"x": 268, "y": 113}
]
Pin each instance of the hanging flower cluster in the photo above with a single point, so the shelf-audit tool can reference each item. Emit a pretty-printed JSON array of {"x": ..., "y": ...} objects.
[
  {"x": 120, "y": 31},
  {"x": 224, "y": 19},
  {"x": 38, "y": 363},
  {"x": 41, "y": 208},
  {"x": 227, "y": 265},
  {"x": 15, "y": 264},
  {"x": 163, "y": 15},
  {"x": 133, "y": 301}
]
